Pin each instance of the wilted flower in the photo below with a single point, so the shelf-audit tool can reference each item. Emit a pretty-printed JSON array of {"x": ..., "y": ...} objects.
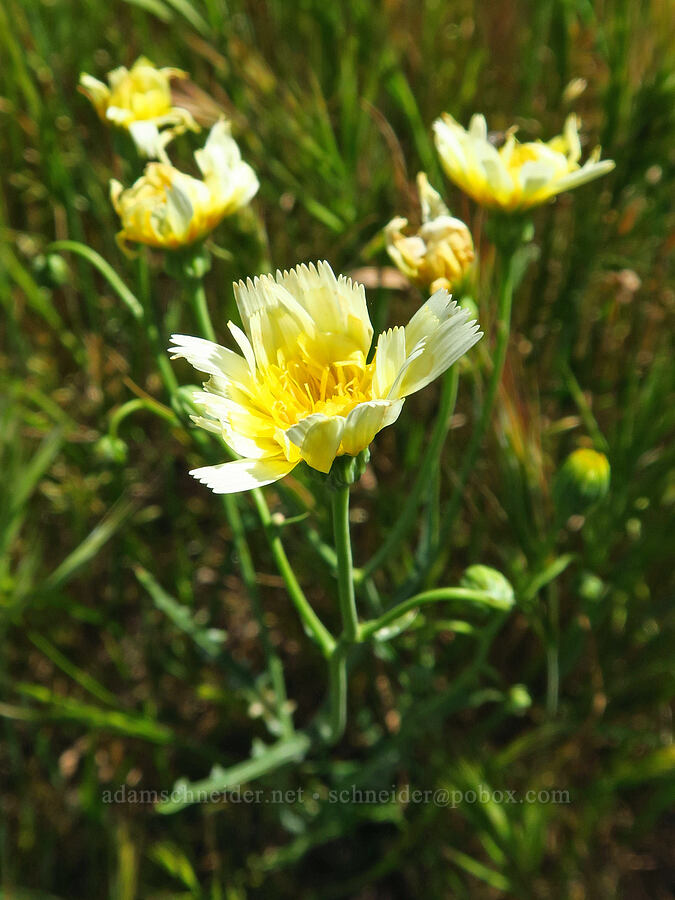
[
  {"x": 169, "y": 209},
  {"x": 303, "y": 389},
  {"x": 440, "y": 252},
  {"x": 516, "y": 176},
  {"x": 139, "y": 99}
]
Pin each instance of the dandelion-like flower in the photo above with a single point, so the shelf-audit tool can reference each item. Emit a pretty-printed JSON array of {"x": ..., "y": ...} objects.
[
  {"x": 139, "y": 99},
  {"x": 516, "y": 176},
  {"x": 439, "y": 254},
  {"x": 168, "y": 209},
  {"x": 303, "y": 388}
]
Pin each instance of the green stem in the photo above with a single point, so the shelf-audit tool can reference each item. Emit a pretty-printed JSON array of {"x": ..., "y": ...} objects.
[
  {"x": 406, "y": 518},
  {"x": 343, "y": 548},
  {"x": 272, "y": 659},
  {"x": 503, "y": 331},
  {"x": 132, "y": 406},
  {"x": 310, "y": 620},
  {"x": 152, "y": 329},
  {"x": 552, "y": 652},
  {"x": 368, "y": 629},
  {"x": 337, "y": 674},
  {"x": 585, "y": 410},
  {"x": 200, "y": 307}
]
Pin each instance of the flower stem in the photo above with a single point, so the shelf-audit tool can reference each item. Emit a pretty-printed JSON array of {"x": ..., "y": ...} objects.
[
  {"x": 152, "y": 329},
  {"x": 343, "y": 548},
  {"x": 368, "y": 629},
  {"x": 503, "y": 331},
  {"x": 337, "y": 674},
  {"x": 200, "y": 307},
  {"x": 133, "y": 406},
  {"x": 337, "y": 658},
  {"x": 310, "y": 620},
  {"x": 552, "y": 652}
]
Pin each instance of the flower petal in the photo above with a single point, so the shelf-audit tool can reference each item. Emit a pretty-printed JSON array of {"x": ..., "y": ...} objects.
[
  {"x": 244, "y": 345},
  {"x": 242, "y": 474},
  {"x": 364, "y": 422},
  {"x": 588, "y": 172},
  {"x": 273, "y": 319},
  {"x": 390, "y": 356},
  {"x": 206, "y": 356},
  {"x": 145, "y": 134},
  {"x": 318, "y": 438},
  {"x": 441, "y": 334},
  {"x": 248, "y": 433},
  {"x": 428, "y": 318}
]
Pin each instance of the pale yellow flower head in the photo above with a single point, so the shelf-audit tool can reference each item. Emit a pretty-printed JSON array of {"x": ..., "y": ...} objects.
[
  {"x": 440, "y": 252},
  {"x": 516, "y": 176},
  {"x": 139, "y": 99},
  {"x": 303, "y": 389},
  {"x": 167, "y": 208}
]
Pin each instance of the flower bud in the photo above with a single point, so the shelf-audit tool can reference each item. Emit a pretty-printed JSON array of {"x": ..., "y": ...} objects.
[
  {"x": 346, "y": 470},
  {"x": 519, "y": 698},
  {"x": 490, "y": 581},
  {"x": 111, "y": 449},
  {"x": 582, "y": 480}
]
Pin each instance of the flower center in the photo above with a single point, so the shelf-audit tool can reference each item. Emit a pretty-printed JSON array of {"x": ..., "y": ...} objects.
[
  {"x": 522, "y": 153},
  {"x": 302, "y": 387}
]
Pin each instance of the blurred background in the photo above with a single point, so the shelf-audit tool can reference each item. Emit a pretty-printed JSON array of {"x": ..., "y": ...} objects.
[{"x": 115, "y": 567}]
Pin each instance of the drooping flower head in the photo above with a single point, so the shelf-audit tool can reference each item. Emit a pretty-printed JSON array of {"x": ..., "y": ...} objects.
[
  {"x": 303, "y": 389},
  {"x": 439, "y": 254},
  {"x": 167, "y": 208},
  {"x": 139, "y": 99},
  {"x": 516, "y": 176}
]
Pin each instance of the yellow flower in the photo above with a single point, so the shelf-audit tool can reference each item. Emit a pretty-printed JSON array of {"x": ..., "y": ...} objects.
[
  {"x": 303, "y": 389},
  {"x": 166, "y": 208},
  {"x": 139, "y": 99},
  {"x": 440, "y": 253},
  {"x": 517, "y": 176}
]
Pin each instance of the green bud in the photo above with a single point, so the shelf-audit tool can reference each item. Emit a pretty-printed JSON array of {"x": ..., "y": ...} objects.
[
  {"x": 469, "y": 304},
  {"x": 489, "y": 581},
  {"x": 50, "y": 271},
  {"x": 581, "y": 481},
  {"x": 519, "y": 698},
  {"x": 591, "y": 587},
  {"x": 346, "y": 470},
  {"x": 111, "y": 450}
]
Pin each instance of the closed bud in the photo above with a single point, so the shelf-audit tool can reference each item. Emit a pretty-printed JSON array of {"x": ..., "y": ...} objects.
[
  {"x": 111, "y": 449},
  {"x": 582, "y": 480},
  {"x": 51, "y": 271},
  {"x": 489, "y": 581},
  {"x": 346, "y": 470},
  {"x": 519, "y": 698}
]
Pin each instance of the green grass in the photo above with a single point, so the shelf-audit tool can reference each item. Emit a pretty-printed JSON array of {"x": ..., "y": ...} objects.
[{"x": 133, "y": 647}]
